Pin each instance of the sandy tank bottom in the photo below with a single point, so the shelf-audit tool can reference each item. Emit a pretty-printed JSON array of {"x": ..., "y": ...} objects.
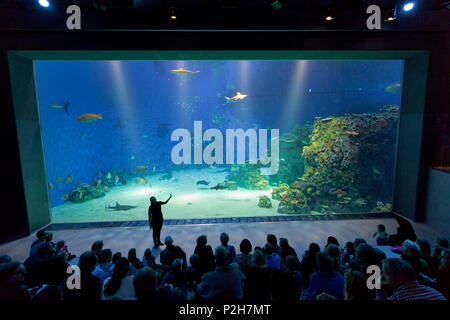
[{"x": 189, "y": 200}]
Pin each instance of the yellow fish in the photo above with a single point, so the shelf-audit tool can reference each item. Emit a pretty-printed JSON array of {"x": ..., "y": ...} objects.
[
  {"x": 188, "y": 175},
  {"x": 88, "y": 117},
  {"x": 393, "y": 88},
  {"x": 58, "y": 179},
  {"x": 183, "y": 71},
  {"x": 238, "y": 96}
]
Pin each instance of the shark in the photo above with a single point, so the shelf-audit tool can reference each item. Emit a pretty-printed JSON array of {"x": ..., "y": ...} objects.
[
  {"x": 119, "y": 207},
  {"x": 238, "y": 96}
]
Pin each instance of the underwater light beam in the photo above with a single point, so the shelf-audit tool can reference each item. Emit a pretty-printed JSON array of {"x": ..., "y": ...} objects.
[{"x": 293, "y": 103}]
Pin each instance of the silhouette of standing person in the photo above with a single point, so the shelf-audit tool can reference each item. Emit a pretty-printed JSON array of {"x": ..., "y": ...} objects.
[{"x": 155, "y": 219}]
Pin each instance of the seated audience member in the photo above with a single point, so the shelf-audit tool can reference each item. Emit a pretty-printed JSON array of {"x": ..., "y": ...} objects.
[
  {"x": 120, "y": 284},
  {"x": 381, "y": 235},
  {"x": 325, "y": 280},
  {"x": 40, "y": 235},
  {"x": 309, "y": 263},
  {"x": 148, "y": 260},
  {"x": 175, "y": 275},
  {"x": 286, "y": 249},
  {"x": 225, "y": 283},
  {"x": 425, "y": 249},
  {"x": 90, "y": 286},
  {"x": 273, "y": 259},
  {"x": 224, "y": 239},
  {"x": 172, "y": 252},
  {"x": 146, "y": 288},
  {"x": 135, "y": 263},
  {"x": 205, "y": 255},
  {"x": 365, "y": 256},
  {"x": 441, "y": 244},
  {"x": 189, "y": 284},
  {"x": 287, "y": 285},
  {"x": 61, "y": 246},
  {"x": 356, "y": 286},
  {"x": 334, "y": 253},
  {"x": 48, "y": 293},
  {"x": 115, "y": 258},
  {"x": 97, "y": 246},
  {"x": 194, "y": 260},
  {"x": 243, "y": 259},
  {"x": 411, "y": 254},
  {"x": 257, "y": 285},
  {"x": 405, "y": 231},
  {"x": 380, "y": 256},
  {"x": 39, "y": 267},
  {"x": 12, "y": 287},
  {"x": 272, "y": 239},
  {"x": 399, "y": 282},
  {"x": 103, "y": 269},
  {"x": 59, "y": 268},
  {"x": 349, "y": 252},
  {"x": 443, "y": 274}
]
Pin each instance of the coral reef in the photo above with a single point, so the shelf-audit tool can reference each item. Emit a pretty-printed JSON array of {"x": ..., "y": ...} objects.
[
  {"x": 344, "y": 165},
  {"x": 85, "y": 192},
  {"x": 248, "y": 176},
  {"x": 264, "y": 202}
]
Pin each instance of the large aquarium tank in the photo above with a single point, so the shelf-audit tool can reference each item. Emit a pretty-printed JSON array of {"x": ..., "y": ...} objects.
[{"x": 226, "y": 138}]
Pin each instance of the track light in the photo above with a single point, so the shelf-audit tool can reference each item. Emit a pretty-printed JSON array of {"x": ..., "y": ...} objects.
[
  {"x": 408, "y": 6},
  {"x": 393, "y": 14},
  {"x": 44, "y": 3},
  {"x": 172, "y": 13}
]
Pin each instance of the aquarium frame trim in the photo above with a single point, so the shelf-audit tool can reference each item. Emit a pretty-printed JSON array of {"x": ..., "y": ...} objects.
[{"x": 407, "y": 191}]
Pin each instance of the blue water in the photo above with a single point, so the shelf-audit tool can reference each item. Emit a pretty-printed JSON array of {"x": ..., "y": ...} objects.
[{"x": 149, "y": 102}]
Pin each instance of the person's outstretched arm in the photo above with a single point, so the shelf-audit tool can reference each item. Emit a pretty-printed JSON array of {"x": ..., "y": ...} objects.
[{"x": 167, "y": 200}]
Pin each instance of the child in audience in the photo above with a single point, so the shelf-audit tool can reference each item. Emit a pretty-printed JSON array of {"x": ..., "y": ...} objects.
[{"x": 381, "y": 236}]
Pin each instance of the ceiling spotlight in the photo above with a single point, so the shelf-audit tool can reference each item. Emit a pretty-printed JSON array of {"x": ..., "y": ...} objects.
[
  {"x": 393, "y": 15},
  {"x": 44, "y": 3},
  {"x": 172, "y": 13},
  {"x": 408, "y": 6},
  {"x": 329, "y": 18}
]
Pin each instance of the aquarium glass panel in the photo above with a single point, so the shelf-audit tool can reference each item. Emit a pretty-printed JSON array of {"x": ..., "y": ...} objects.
[{"x": 227, "y": 138}]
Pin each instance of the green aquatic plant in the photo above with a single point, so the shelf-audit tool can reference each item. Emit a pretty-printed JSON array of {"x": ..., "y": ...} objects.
[{"x": 264, "y": 202}]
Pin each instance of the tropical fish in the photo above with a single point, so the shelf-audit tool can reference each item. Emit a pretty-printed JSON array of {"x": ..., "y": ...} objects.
[
  {"x": 360, "y": 202},
  {"x": 99, "y": 174},
  {"x": 119, "y": 207},
  {"x": 139, "y": 180},
  {"x": 218, "y": 187},
  {"x": 88, "y": 117},
  {"x": 140, "y": 168},
  {"x": 304, "y": 142},
  {"x": 294, "y": 201},
  {"x": 118, "y": 125},
  {"x": 188, "y": 175},
  {"x": 145, "y": 137},
  {"x": 58, "y": 106},
  {"x": 116, "y": 180},
  {"x": 183, "y": 71},
  {"x": 154, "y": 168},
  {"x": 68, "y": 179},
  {"x": 213, "y": 167},
  {"x": 238, "y": 96},
  {"x": 393, "y": 88},
  {"x": 327, "y": 119},
  {"x": 204, "y": 182},
  {"x": 65, "y": 197},
  {"x": 376, "y": 171},
  {"x": 352, "y": 133},
  {"x": 58, "y": 179},
  {"x": 50, "y": 185},
  {"x": 108, "y": 175},
  {"x": 132, "y": 157},
  {"x": 323, "y": 206}
]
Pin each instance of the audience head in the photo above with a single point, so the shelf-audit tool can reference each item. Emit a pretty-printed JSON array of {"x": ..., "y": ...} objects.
[
  {"x": 11, "y": 272},
  {"x": 358, "y": 241},
  {"x": 60, "y": 258},
  {"x": 224, "y": 238},
  {"x": 424, "y": 247},
  {"x": 104, "y": 256},
  {"x": 410, "y": 250},
  {"x": 313, "y": 249},
  {"x": 356, "y": 286},
  {"x": 87, "y": 262},
  {"x": 324, "y": 262},
  {"x": 380, "y": 257},
  {"x": 332, "y": 240},
  {"x": 284, "y": 242},
  {"x": 245, "y": 246},
  {"x": 147, "y": 253},
  {"x": 45, "y": 251},
  {"x": 221, "y": 255},
  {"x": 48, "y": 236},
  {"x": 116, "y": 257},
  {"x": 258, "y": 259},
  {"x": 445, "y": 259},
  {"x": 120, "y": 271},
  {"x": 365, "y": 256},
  {"x": 145, "y": 282},
  {"x": 97, "y": 246},
  {"x": 333, "y": 251},
  {"x": 194, "y": 260},
  {"x": 272, "y": 239},
  {"x": 292, "y": 263},
  {"x": 168, "y": 241},
  {"x": 41, "y": 234},
  {"x": 268, "y": 249},
  {"x": 202, "y": 241},
  {"x": 395, "y": 273},
  {"x": 176, "y": 266},
  {"x": 132, "y": 254},
  {"x": 381, "y": 228},
  {"x": 350, "y": 247},
  {"x": 441, "y": 243}
]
